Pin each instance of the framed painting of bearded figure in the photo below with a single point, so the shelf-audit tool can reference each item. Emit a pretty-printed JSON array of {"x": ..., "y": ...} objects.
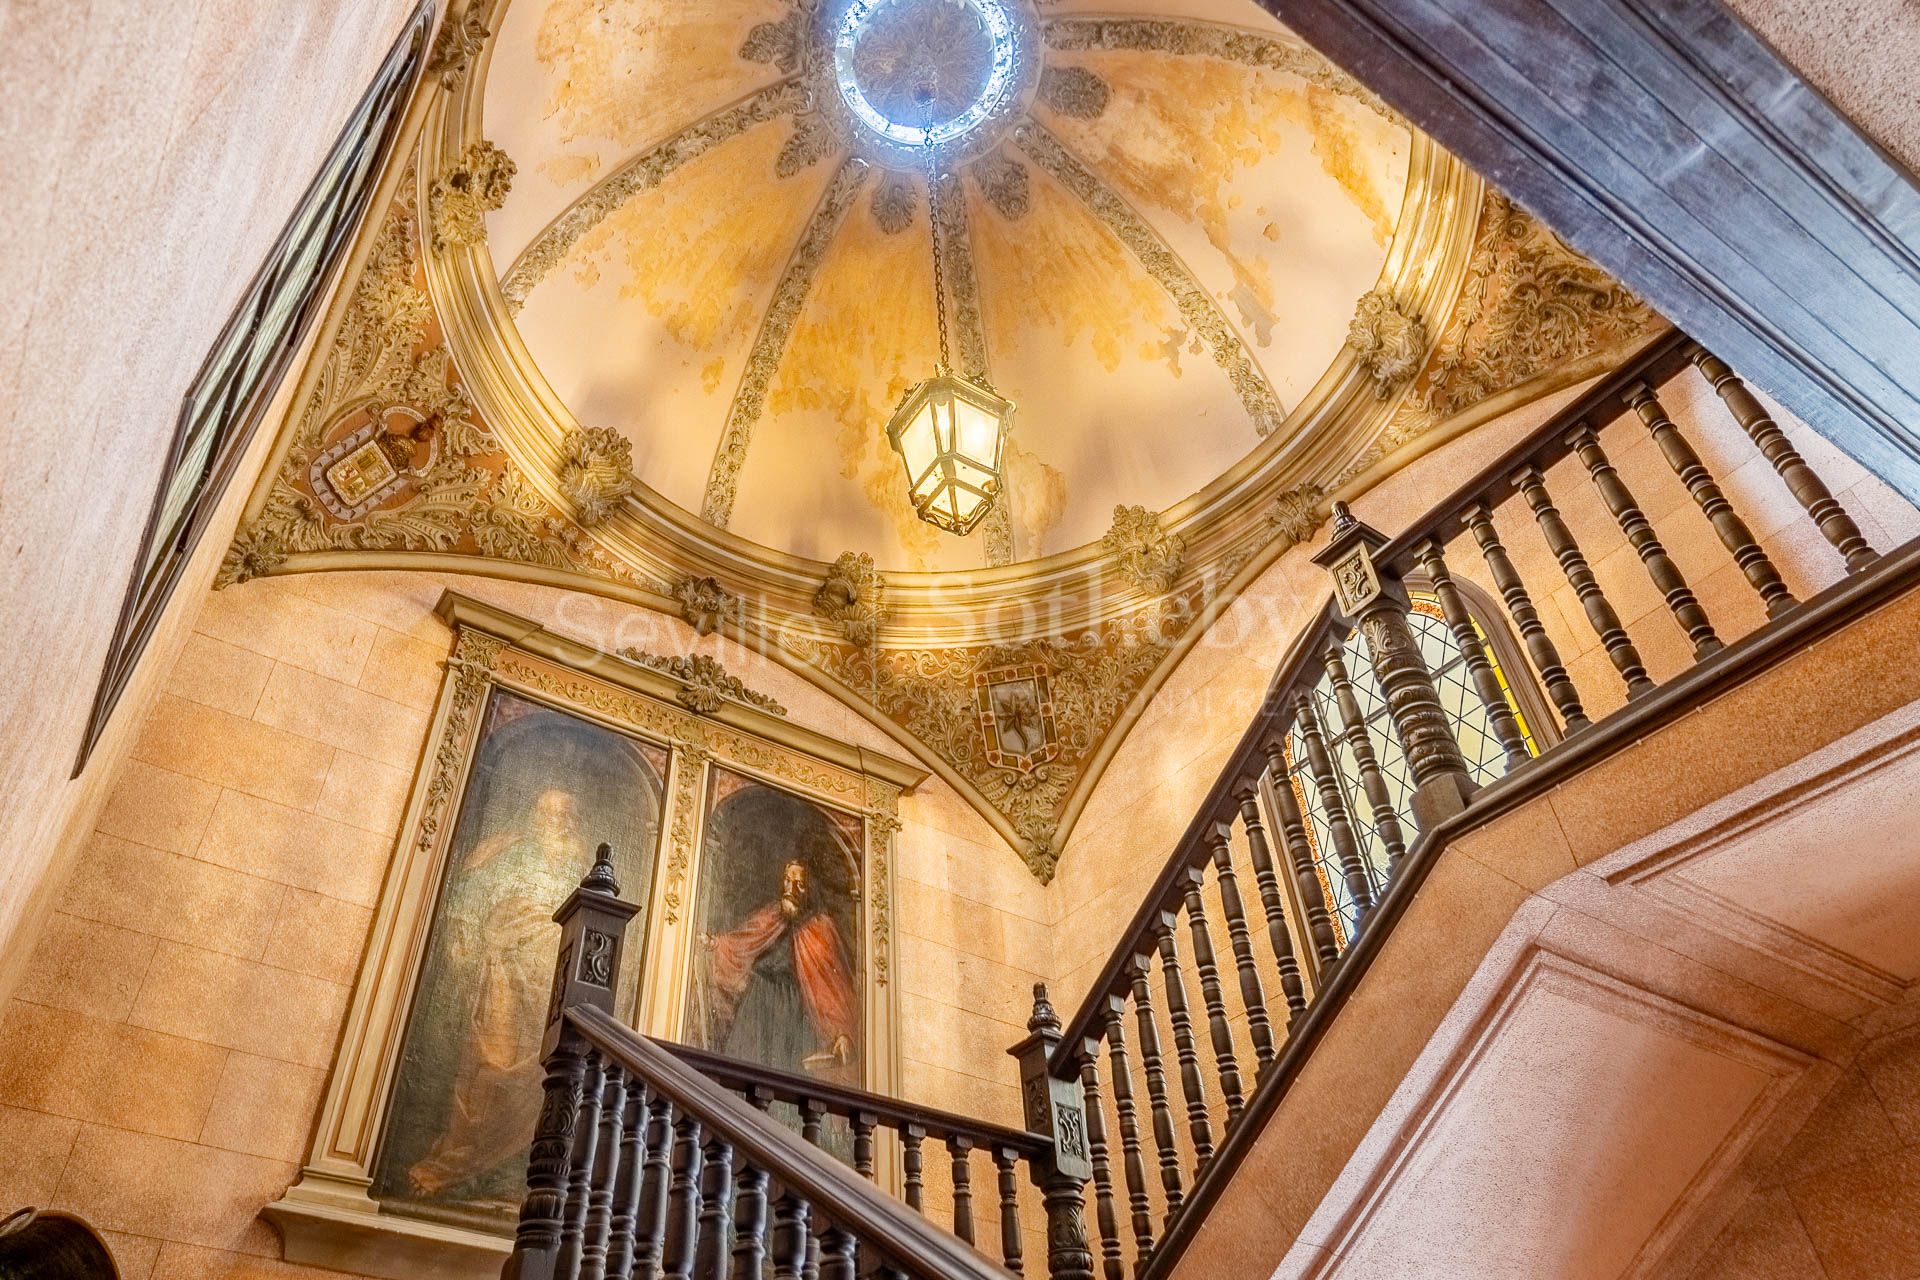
[
  {"x": 757, "y": 850},
  {"x": 778, "y": 962},
  {"x": 544, "y": 789}
]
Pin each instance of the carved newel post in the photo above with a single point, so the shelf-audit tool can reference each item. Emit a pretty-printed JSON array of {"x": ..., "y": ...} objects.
[
  {"x": 593, "y": 925},
  {"x": 1056, "y": 1109},
  {"x": 1378, "y": 605}
]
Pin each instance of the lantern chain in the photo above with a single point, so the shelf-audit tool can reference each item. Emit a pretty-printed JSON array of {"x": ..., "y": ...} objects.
[{"x": 933, "y": 236}]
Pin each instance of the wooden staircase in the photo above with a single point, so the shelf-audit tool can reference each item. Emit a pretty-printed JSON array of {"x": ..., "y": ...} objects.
[{"x": 655, "y": 1160}]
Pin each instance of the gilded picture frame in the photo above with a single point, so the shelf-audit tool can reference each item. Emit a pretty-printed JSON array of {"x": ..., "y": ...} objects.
[{"x": 330, "y": 1216}]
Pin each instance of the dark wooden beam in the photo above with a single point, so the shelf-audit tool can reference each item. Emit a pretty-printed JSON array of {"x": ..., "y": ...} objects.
[{"x": 1669, "y": 143}]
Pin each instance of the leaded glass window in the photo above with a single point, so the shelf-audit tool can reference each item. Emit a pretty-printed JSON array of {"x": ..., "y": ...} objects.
[
  {"x": 250, "y": 358},
  {"x": 1472, "y": 728}
]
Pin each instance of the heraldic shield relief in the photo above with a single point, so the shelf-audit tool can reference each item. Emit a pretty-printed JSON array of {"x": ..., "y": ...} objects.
[{"x": 1016, "y": 716}]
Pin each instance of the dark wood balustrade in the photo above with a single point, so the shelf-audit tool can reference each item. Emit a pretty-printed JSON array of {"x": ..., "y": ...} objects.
[
  {"x": 656, "y": 1160},
  {"x": 1334, "y": 841},
  {"x": 662, "y": 1161}
]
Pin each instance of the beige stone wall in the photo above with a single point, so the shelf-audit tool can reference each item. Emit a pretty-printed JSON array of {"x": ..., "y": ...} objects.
[
  {"x": 1164, "y": 769},
  {"x": 151, "y": 160},
  {"x": 162, "y": 1061},
  {"x": 1843, "y": 1200},
  {"x": 1858, "y": 52}
]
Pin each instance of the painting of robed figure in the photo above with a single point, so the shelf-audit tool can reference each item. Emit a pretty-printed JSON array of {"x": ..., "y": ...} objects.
[
  {"x": 545, "y": 789},
  {"x": 778, "y": 964}
]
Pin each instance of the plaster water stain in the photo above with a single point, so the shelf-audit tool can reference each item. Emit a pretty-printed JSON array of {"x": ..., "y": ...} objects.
[
  {"x": 702, "y": 259},
  {"x": 631, "y": 72}
]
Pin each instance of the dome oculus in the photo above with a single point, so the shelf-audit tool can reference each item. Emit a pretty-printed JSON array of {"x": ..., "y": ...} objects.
[{"x": 921, "y": 73}]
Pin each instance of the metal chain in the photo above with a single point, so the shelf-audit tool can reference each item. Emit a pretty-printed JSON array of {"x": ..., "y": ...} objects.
[{"x": 933, "y": 234}]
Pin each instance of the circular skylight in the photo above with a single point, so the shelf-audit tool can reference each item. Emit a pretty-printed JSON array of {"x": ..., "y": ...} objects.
[{"x": 924, "y": 72}]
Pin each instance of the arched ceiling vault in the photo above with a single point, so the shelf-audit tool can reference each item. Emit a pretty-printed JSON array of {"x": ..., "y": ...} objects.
[{"x": 640, "y": 311}]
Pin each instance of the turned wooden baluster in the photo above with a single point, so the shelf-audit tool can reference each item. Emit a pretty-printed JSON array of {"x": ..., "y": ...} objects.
[
  {"x": 1346, "y": 847},
  {"x": 911, "y": 1163},
  {"x": 1486, "y": 681},
  {"x": 750, "y": 1221},
  {"x": 1526, "y": 619},
  {"x": 586, "y": 1146},
  {"x": 1808, "y": 489},
  {"x": 960, "y": 1149},
  {"x": 683, "y": 1200},
  {"x": 713, "y": 1245},
  {"x": 630, "y": 1180},
  {"x": 599, "y": 1219},
  {"x": 863, "y": 1123},
  {"x": 1733, "y": 532},
  {"x": 1633, "y": 522},
  {"x": 1220, "y": 1034},
  {"x": 811, "y": 1116},
  {"x": 1353, "y": 731},
  {"x": 839, "y": 1255},
  {"x": 1152, "y": 1068},
  {"x": 1573, "y": 563},
  {"x": 1137, "y": 1202},
  {"x": 790, "y": 1237},
  {"x": 1184, "y": 1048},
  {"x": 1006, "y": 1161},
  {"x": 537, "y": 1235},
  {"x": 1253, "y": 995},
  {"x": 650, "y": 1242},
  {"x": 1105, "y": 1219},
  {"x": 1293, "y": 838},
  {"x": 1271, "y": 903}
]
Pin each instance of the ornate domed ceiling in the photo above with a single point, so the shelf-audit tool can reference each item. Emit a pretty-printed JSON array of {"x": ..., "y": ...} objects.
[
  {"x": 638, "y": 312},
  {"x": 1156, "y": 220}
]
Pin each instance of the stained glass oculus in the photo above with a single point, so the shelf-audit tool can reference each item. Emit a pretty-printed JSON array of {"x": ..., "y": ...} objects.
[{"x": 925, "y": 72}]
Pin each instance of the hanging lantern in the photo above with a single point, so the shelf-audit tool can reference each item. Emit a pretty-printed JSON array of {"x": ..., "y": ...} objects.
[
  {"x": 950, "y": 431},
  {"x": 951, "y": 434}
]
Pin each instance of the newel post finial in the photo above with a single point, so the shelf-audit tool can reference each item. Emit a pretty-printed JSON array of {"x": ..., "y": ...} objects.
[
  {"x": 1056, "y": 1110},
  {"x": 593, "y": 926}
]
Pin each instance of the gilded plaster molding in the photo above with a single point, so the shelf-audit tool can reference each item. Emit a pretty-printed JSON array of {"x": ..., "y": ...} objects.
[
  {"x": 597, "y": 473},
  {"x": 705, "y": 685},
  {"x": 1197, "y": 306},
  {"x": 459, "y": 41},
  {"x": 465, "y": 192},
  {"x": 1005, "y": 183},
  {"x": 386, "y": 454},
  {"x": 1388, "y": 338},
  {"x": 893, "y": 203},
  {"x": 705, "y": 605},
  {"x": 643, "y": 172},
  {"x": 1075, "y": 91},
  {"x": 1528, "y": 306},
  {"x": 1194, "y": 38},
  {"x": 854, "y": 598},
  {"x": 770, "y": 345},
  {"x": 1147, "y": 553}
]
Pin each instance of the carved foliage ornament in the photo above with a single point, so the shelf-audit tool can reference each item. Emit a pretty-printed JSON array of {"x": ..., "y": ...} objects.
[
  {"x": 705, "y": 604},
  {"x": 705, "y": 684},
  {"x": 854, "y": 596},
  {"x": 1389, "y": 339},
  {"x": 1147, "y": 553},
  {"x": 388, "y": 381},
  {"x": 596, "y": 472},
  {"x": 457, "y": 44},
  {"x": 469, "y": 189}
]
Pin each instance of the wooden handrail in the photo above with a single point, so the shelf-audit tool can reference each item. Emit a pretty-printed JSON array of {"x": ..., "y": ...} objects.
[
  {"x": 903, "y": 1238},
  {"x": 1655, "y": 363},
  {"x": 1302, "y": 658},
  {"x": 1834, "y": 609},
  {"x": 839, "y": 1099}
]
